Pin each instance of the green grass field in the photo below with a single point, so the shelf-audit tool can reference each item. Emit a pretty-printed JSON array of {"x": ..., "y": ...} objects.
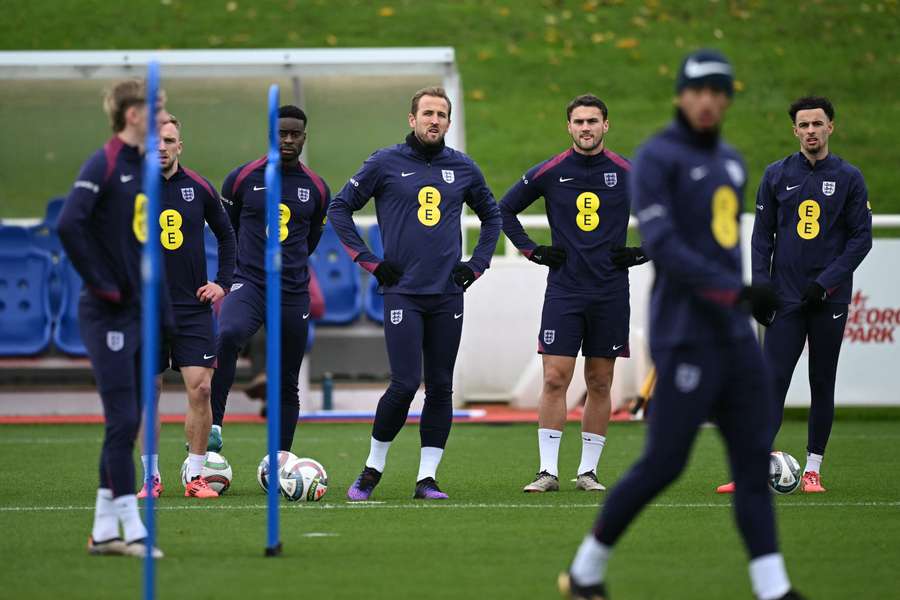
[
  {"x": 488, "y": 541},
  {"x": 520, "y": 62}
]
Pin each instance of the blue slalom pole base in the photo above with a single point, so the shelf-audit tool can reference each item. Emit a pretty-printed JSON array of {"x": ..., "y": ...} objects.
[{"x": 274, "y": 550}]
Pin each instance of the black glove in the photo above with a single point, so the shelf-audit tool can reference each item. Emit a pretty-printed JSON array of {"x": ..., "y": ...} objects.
[
  {"x": 387, "y": 274},
  {"x": 813, "y": 297},
  {"x": 623, "y": 258},
  {"x": 463, "y": 275},
  {"x": 760, "y": 300},
  {"x": 551, "y": 256}
]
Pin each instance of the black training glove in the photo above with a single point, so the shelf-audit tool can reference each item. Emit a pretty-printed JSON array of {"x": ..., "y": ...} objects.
[
  {"x": 760, "y": 300},
  {"x": 551, "y": 256},
  {"x": 387, "y": 274},
  {"x": 624, "y": 258},
  {"x": 813, "y": 297},
  {"x": 463, "y": 275}
]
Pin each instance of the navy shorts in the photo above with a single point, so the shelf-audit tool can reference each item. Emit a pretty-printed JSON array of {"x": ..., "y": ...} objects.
[
  {"x": 194, "y": 342},
  {"x": 598, "y": 326}
]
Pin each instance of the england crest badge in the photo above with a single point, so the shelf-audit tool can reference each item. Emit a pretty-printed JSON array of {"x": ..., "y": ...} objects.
[
  {"x": 448, "y": 175},
  {"x": 115, "y": 340},
  {"x": 828, "y": 188},
  {"x": 610, "y": 179},
  {"x": 187, "y": 194},
  {"x": 687, "y": 377},
  {"x": 396, "y": 316},
  {"x": 303, "y": 194},
  {"x": 549, "y": 336}
]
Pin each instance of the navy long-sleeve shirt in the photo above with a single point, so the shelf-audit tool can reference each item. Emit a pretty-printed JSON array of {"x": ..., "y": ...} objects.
[
  {"x": 813, "y": 223},
  {"x": 188, "y": 202},
  {"x": 588, "y": 206},
  {"x": 101, "y": 225},
  {"x": 687, "y": 194},
  {"x": 418, "y": 203},
  {"x": 304, "y": 202}
]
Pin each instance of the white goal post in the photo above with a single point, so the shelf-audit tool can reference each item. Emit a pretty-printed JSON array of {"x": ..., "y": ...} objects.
[{"x": 438, "y": 62}]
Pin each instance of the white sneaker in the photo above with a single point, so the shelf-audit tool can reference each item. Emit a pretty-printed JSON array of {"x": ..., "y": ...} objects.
[
  {"x": 113, "y": 546},
  {"x": 588, "y": 482},
  {"x": 543, "y": 482},
  {"x": 138, "y": 549}
]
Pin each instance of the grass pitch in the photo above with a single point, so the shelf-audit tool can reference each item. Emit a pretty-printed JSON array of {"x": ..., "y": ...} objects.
[{"x": 488, "y": 541}]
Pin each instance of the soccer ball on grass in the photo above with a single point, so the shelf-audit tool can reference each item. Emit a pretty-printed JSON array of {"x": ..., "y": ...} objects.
[
  {"x": 784, "y": 473},
  {"x": 303, "y": 480}
]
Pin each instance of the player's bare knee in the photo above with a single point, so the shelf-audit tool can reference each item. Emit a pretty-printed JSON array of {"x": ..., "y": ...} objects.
[
  {"x": 200, "y": 394},
  {"x": 556, "y": 382}
]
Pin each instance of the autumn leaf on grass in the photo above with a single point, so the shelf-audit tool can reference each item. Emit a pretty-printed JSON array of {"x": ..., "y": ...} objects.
[{"x": 628, "y": 43}]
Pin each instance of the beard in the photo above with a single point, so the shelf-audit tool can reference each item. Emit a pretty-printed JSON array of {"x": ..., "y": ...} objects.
[
  {"x": 426, "y": 141},
  {"x": 587, "y": 147}
]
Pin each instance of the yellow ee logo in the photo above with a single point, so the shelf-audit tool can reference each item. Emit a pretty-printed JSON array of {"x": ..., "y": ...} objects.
[
  {"x": 808, "y": 226},
  {"x": 139, "y": 221},
  {"x": 284, "y": 217},
  {"x": 588, "y": 204},
  {"x": 171, "y": 236},
  {"x": 724, "y": 216},
  {"x": 429, "y": 200}
]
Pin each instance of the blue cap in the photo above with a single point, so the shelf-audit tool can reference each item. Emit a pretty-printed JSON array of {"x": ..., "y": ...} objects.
[{"x": 705, "y": 68}]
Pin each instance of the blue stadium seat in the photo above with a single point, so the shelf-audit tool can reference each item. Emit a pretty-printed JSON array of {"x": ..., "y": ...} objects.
[
  {"x": 374, "y": 300},
  {"x": 339, "y": 279},
  {"x": 46, "y": 237},
  {"x": 67, "y": 336},
  {"x": 25, "y": 317}
]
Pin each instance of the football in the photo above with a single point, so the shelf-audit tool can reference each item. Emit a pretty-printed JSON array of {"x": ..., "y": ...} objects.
[
  {"x": 303, "y": 480},
  {"x": 784, "y": 472},
  {"x": 216, "y": 470},
  {"x": 262, "y": 471}
]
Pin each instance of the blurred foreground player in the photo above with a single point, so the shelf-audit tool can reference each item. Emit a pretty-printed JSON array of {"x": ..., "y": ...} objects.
[
  {"x": 304, "y": 202},
  {"x": 586, "y": 303},
  {"x": 188, "y": 202},
  {"x": 419, "y": 189},
  {"x": 102, "y": 227},
  {"x": 687, "y": 186}
]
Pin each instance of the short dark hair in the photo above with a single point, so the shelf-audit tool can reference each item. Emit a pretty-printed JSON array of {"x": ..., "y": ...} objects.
[
  {"x": 437, "y": 92},
  {"x": 810, "y": 102},
  {"x": 587, "y": 100},
  {"x": 289, "y": 111}
]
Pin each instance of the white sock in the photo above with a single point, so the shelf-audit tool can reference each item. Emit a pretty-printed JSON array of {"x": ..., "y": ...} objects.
[
  {"x": 548, "y": 446},
  {"x": 217, "y": 429},
  {"x": 126, "y": 508},
  {"x": 195, "y": 465},
  {"x": 429, "y": 461},
  {"x": 591, "y": 448},
  {"x": 769, "y": 577},
  {"x": 589, "y": 566},
  {"x": 813, "y": 463},
  {"x": 151, "y": 465},
  {"x": 106, "y": 525},
  {"x": 377, "y": 455}
]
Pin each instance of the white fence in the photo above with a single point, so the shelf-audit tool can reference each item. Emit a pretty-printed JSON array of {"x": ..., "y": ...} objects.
[{"x": 498, "y": 360}]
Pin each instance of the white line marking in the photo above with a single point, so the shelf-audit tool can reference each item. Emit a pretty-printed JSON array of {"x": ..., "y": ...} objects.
[{"x": 439, "y": 505}]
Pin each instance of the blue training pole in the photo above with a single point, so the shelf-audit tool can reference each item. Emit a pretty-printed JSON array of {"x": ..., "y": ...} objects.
[
  {"x": 273, "y": 318},
  {"x": 150, "y": 270}
]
